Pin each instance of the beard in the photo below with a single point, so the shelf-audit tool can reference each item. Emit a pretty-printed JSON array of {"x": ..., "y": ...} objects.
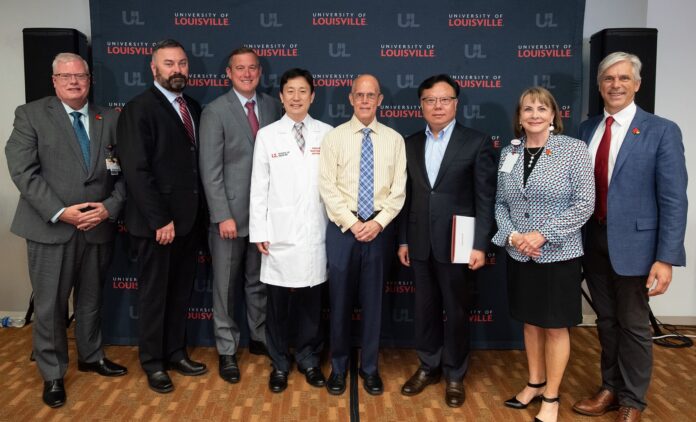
[{"x": 175, "y": 83}]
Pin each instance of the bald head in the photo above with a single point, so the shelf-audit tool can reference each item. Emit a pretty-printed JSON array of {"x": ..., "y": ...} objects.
[{"x": 365, "y": 97}]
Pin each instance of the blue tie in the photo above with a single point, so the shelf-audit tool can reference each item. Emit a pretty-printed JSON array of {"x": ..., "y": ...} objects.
[
  {"x": 366, "y": 204},
  {"x": 81, "y": 134}
]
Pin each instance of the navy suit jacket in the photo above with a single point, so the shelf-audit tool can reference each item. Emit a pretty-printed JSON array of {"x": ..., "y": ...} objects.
[{"x": 646, "y": 202}]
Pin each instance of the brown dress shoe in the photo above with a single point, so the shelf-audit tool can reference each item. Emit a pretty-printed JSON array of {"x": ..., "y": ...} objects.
[
  {"x": 418, "y": 381},
  {"x": 628, "y": 414},
  {"x": 597, "y": 405},
  {"x": 454, "y": 393}
]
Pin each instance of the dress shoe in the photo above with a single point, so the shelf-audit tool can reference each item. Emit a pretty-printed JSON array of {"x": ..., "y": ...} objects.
[
  {"x": 516, "y": 404},
  {"x": 54, "y": 393},
  {"x": 454, "y": 393},
  {"x": 418, "y": 381},
  {"x": 549, "y": 400},
  {"x": 628, "y": 414},
  {"x": 229, "y": 370},
  {"x": 278, "y": 381},
  {"x": 188, "y": 367},
  {"x": 336, "y": 384},
  {"x": 372, "y": 383},
  {"x": 160, "y": 382},
  {"x": 314, "y": 376},
  {"x": 257, "y": 348},
  {"x": 103, "y": 367},
  {"x": 597, "y": 405}
]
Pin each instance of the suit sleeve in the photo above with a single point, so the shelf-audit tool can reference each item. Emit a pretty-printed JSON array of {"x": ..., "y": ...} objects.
[
  {"x": 502, "y": 210},
  {"x": 485, "y": 180},
  {"x": 211, "y": 159},
  {"x": 115, "y": 201},
  {"x": 258, "y": 198},
  {"x": 402, "y": 219},
  {"x": 23, "y": 163}
]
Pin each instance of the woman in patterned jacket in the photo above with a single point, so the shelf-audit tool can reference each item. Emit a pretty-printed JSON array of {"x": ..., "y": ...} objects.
[{"x": 545, "y": 195}]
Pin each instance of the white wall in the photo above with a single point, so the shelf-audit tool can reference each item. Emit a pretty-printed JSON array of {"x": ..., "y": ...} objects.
[{"x": 675, "y": 88}]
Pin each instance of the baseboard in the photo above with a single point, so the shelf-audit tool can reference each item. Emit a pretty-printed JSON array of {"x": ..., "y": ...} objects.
[{"x": 591, "y": 320}]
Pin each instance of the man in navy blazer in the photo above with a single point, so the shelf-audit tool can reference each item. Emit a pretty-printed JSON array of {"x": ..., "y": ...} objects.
[{"x": 636, "y": 235}]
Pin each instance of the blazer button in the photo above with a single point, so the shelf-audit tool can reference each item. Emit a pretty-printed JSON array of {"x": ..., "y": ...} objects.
[
  {"x": 195, "y": 191},
  {"x": 526, "y": 215},
  {"x": 193, "y": 148}
]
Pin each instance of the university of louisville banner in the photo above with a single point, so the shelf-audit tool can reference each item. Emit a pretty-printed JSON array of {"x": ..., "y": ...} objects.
[{"x": 493, "y": 49}]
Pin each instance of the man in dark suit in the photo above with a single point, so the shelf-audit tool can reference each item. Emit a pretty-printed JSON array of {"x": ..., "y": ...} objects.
[
  {"x": 228, "y": 130},
  {"x": 451, "y": 171},
  {"x": 636, "y": 234},
  {"x": 61, "y": 158},
  {"x": 165, "y": 211}
]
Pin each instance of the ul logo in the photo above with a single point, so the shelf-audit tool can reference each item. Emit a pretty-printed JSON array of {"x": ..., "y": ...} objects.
[
  {"x": 270, "y": 20},
  {"x": 401, "y": 315},
  {"x": 545, "y": 20},
  {"x": 133, "y": 312},
  {"x": 543, "y": 80},
  {"x": 405, "y": 80},
  {"x": 133, "y": 79},
  {"x": 269, "y": 81},
  {"x": 131, "y": 17},
  {"x": 472, "y": 112},
  {"x": 338, "y": 110},
  {"x": 202, "y": 285},
  {"x": 407, "y": 20},
  {"x": 201, "y": 50},
  {"x": 338, "y": 50},
  {"x": 473, "y": 51}
]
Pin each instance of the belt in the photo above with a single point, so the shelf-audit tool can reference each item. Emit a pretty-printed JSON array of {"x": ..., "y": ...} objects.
[{"x": 362, "y": 220}]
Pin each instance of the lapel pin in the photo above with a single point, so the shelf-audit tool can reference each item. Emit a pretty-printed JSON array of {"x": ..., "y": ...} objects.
[
  {"x": 98, "y": 116},
  {"x": 548, "y": 151},
  {"x": 636, "y": 131}
]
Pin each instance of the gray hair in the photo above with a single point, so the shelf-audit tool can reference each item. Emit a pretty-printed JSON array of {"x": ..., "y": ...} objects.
[
  {"x": 616, "y": 57},
  {"x": 67, "y": 58}
]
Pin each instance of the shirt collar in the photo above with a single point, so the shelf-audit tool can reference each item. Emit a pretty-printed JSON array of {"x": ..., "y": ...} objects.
[
  {"x": 171, "y": 96},
  {"x": 243, "y": 99},
  {"x": 84, "y": 110},
  {"x": 289, "y": 123},
  {"x": 623, "y": 117},
  {"x": 357, "y": 126},
  {"x": 444, "y": 132}
]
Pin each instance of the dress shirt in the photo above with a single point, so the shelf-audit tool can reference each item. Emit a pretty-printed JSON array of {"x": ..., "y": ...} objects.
[
  {"x": 435, "y": 150},
  {"x": 339, "y": 172},
  {"x": 244, "y": 100},
  {"x": 619, "y": 128},
  {"x": 171, "y": 97}
]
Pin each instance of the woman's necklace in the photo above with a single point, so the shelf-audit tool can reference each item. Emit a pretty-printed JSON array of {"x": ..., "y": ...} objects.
[{"x": 532, "y": 157}]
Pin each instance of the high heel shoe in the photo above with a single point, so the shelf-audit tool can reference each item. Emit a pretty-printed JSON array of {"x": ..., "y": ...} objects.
[
  {"x": 548, "y": 400},
  {"x": 516, "y": 404}
]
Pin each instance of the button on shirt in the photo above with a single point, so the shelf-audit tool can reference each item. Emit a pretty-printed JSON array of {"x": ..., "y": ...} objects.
[
  {"x": 622, "y": 121},
  {"x": 435, "y": 148}
]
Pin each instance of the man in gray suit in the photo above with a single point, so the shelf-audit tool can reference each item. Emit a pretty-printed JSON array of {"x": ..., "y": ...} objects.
[
  {"x": 228, "y": 130},
  {"x": 61, "y": 157}
]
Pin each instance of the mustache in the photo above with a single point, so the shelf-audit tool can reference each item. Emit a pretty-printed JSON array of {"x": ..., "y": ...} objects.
[{"x": 178, "y": 76}]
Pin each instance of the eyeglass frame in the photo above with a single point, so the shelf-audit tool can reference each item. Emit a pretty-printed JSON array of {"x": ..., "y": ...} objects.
[
  {"x": 431, "y": 101},
  {"x": 68, "y": 77},
  {"x": 369, "y": 96}
]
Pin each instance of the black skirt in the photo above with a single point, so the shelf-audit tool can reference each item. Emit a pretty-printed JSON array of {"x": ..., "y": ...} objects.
[{"x": 546, "y": 295}]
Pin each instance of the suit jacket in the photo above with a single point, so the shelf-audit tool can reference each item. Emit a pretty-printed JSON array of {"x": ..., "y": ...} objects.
[
  {"x": 227, "y": 148},
  {"x": 160, "y": 165},
  {"x": 557, "y": 199},
  {"x": 465, "y": 185},
  {"x": 47, "y": 166},
  {"x": 646, "y": 202}
]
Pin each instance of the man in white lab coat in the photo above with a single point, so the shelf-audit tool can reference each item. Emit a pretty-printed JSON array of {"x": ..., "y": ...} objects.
[{"x": 287, "y": 222}]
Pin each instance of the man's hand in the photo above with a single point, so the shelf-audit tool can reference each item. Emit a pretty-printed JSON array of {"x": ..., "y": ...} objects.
[
  {"x": 659, "y": 278},
  {"x": 263, "y": 247},
  {"x": 402, "y": 253},
  {"x": 368, "y": 231},
  {"x": 477, "y": 259},
  {"x": 71, "y": 215},
  {"x": 91, "y": 218},
  {"x": 228, "y": 229},
  {"x": 165, "y": 235}
]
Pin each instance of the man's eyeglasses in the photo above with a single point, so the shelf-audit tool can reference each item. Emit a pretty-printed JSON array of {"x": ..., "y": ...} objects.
[
  {"x": 67, "y": 77},
  {"x": 370, "y": 96},
  {"x": 445, "y": 101}
]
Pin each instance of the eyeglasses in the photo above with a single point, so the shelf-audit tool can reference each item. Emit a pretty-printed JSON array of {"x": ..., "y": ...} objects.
[
  {"x": 445, "y": 101},
  {"x": 67, "y": 77},
  {"x": 370, "y": 96}
]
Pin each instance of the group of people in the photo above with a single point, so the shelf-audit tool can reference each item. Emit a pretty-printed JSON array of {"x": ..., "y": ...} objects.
[{"x": 288, "y": 202}]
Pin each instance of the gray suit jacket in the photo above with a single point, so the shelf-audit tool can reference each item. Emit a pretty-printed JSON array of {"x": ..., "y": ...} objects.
[
  {"x": 226, "y": 152},
  {"x": 46, "y": 165}
]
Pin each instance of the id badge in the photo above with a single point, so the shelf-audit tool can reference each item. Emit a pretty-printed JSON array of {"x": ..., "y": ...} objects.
[{"x": 509, "y": 163}]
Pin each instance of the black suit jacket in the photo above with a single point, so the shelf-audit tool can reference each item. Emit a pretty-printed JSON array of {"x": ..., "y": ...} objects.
[
  {"x": 160, "y": 165},
  {"x": 465, "y": 185}
]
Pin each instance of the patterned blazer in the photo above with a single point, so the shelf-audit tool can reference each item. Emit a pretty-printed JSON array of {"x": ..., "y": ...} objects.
[{"x": 557, "y": 200}]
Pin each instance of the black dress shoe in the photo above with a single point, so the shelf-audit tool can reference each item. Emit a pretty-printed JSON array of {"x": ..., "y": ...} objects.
[
  {"x": 278, "y": 381},
  {"x": 418, "y": 381},
  {"x": 188, "y": 367},
  {"x": 454, "y": 393},
  {"x": 54, "y": 393},
  {"x": 229, "y": 370},
  {"x": 516, "y": 404},
  {"x": 372, "y": 383},
  {"x": 558, "y": 400},
  {"x": 257, "y": 348},
  {"x": 314, "y": 376},
  {"x": 336, "y": 384},
  {"x": 103, "y": 367},
  {"x": 160, "y": 382}
]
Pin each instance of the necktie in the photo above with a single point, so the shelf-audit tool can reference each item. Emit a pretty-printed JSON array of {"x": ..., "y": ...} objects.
[
  {"x": 251, "y": 117},
  {"x": 81, "y": 134},
  {"x": 601, "y": 171},
  {"x": 297, "y": 131},
  {"x": 186, "y": 118},
  {"x": 366, "y": 204}
]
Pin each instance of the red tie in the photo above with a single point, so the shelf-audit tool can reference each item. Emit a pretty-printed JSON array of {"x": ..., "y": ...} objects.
[
  {"x": 601, "y": 172},
  {"x": 186, "y": 118},
  {"x": 251, "y": 116}
]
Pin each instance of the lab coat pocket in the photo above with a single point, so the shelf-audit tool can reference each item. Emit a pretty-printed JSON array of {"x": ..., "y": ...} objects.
[{"x": 282, "y": 223}]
